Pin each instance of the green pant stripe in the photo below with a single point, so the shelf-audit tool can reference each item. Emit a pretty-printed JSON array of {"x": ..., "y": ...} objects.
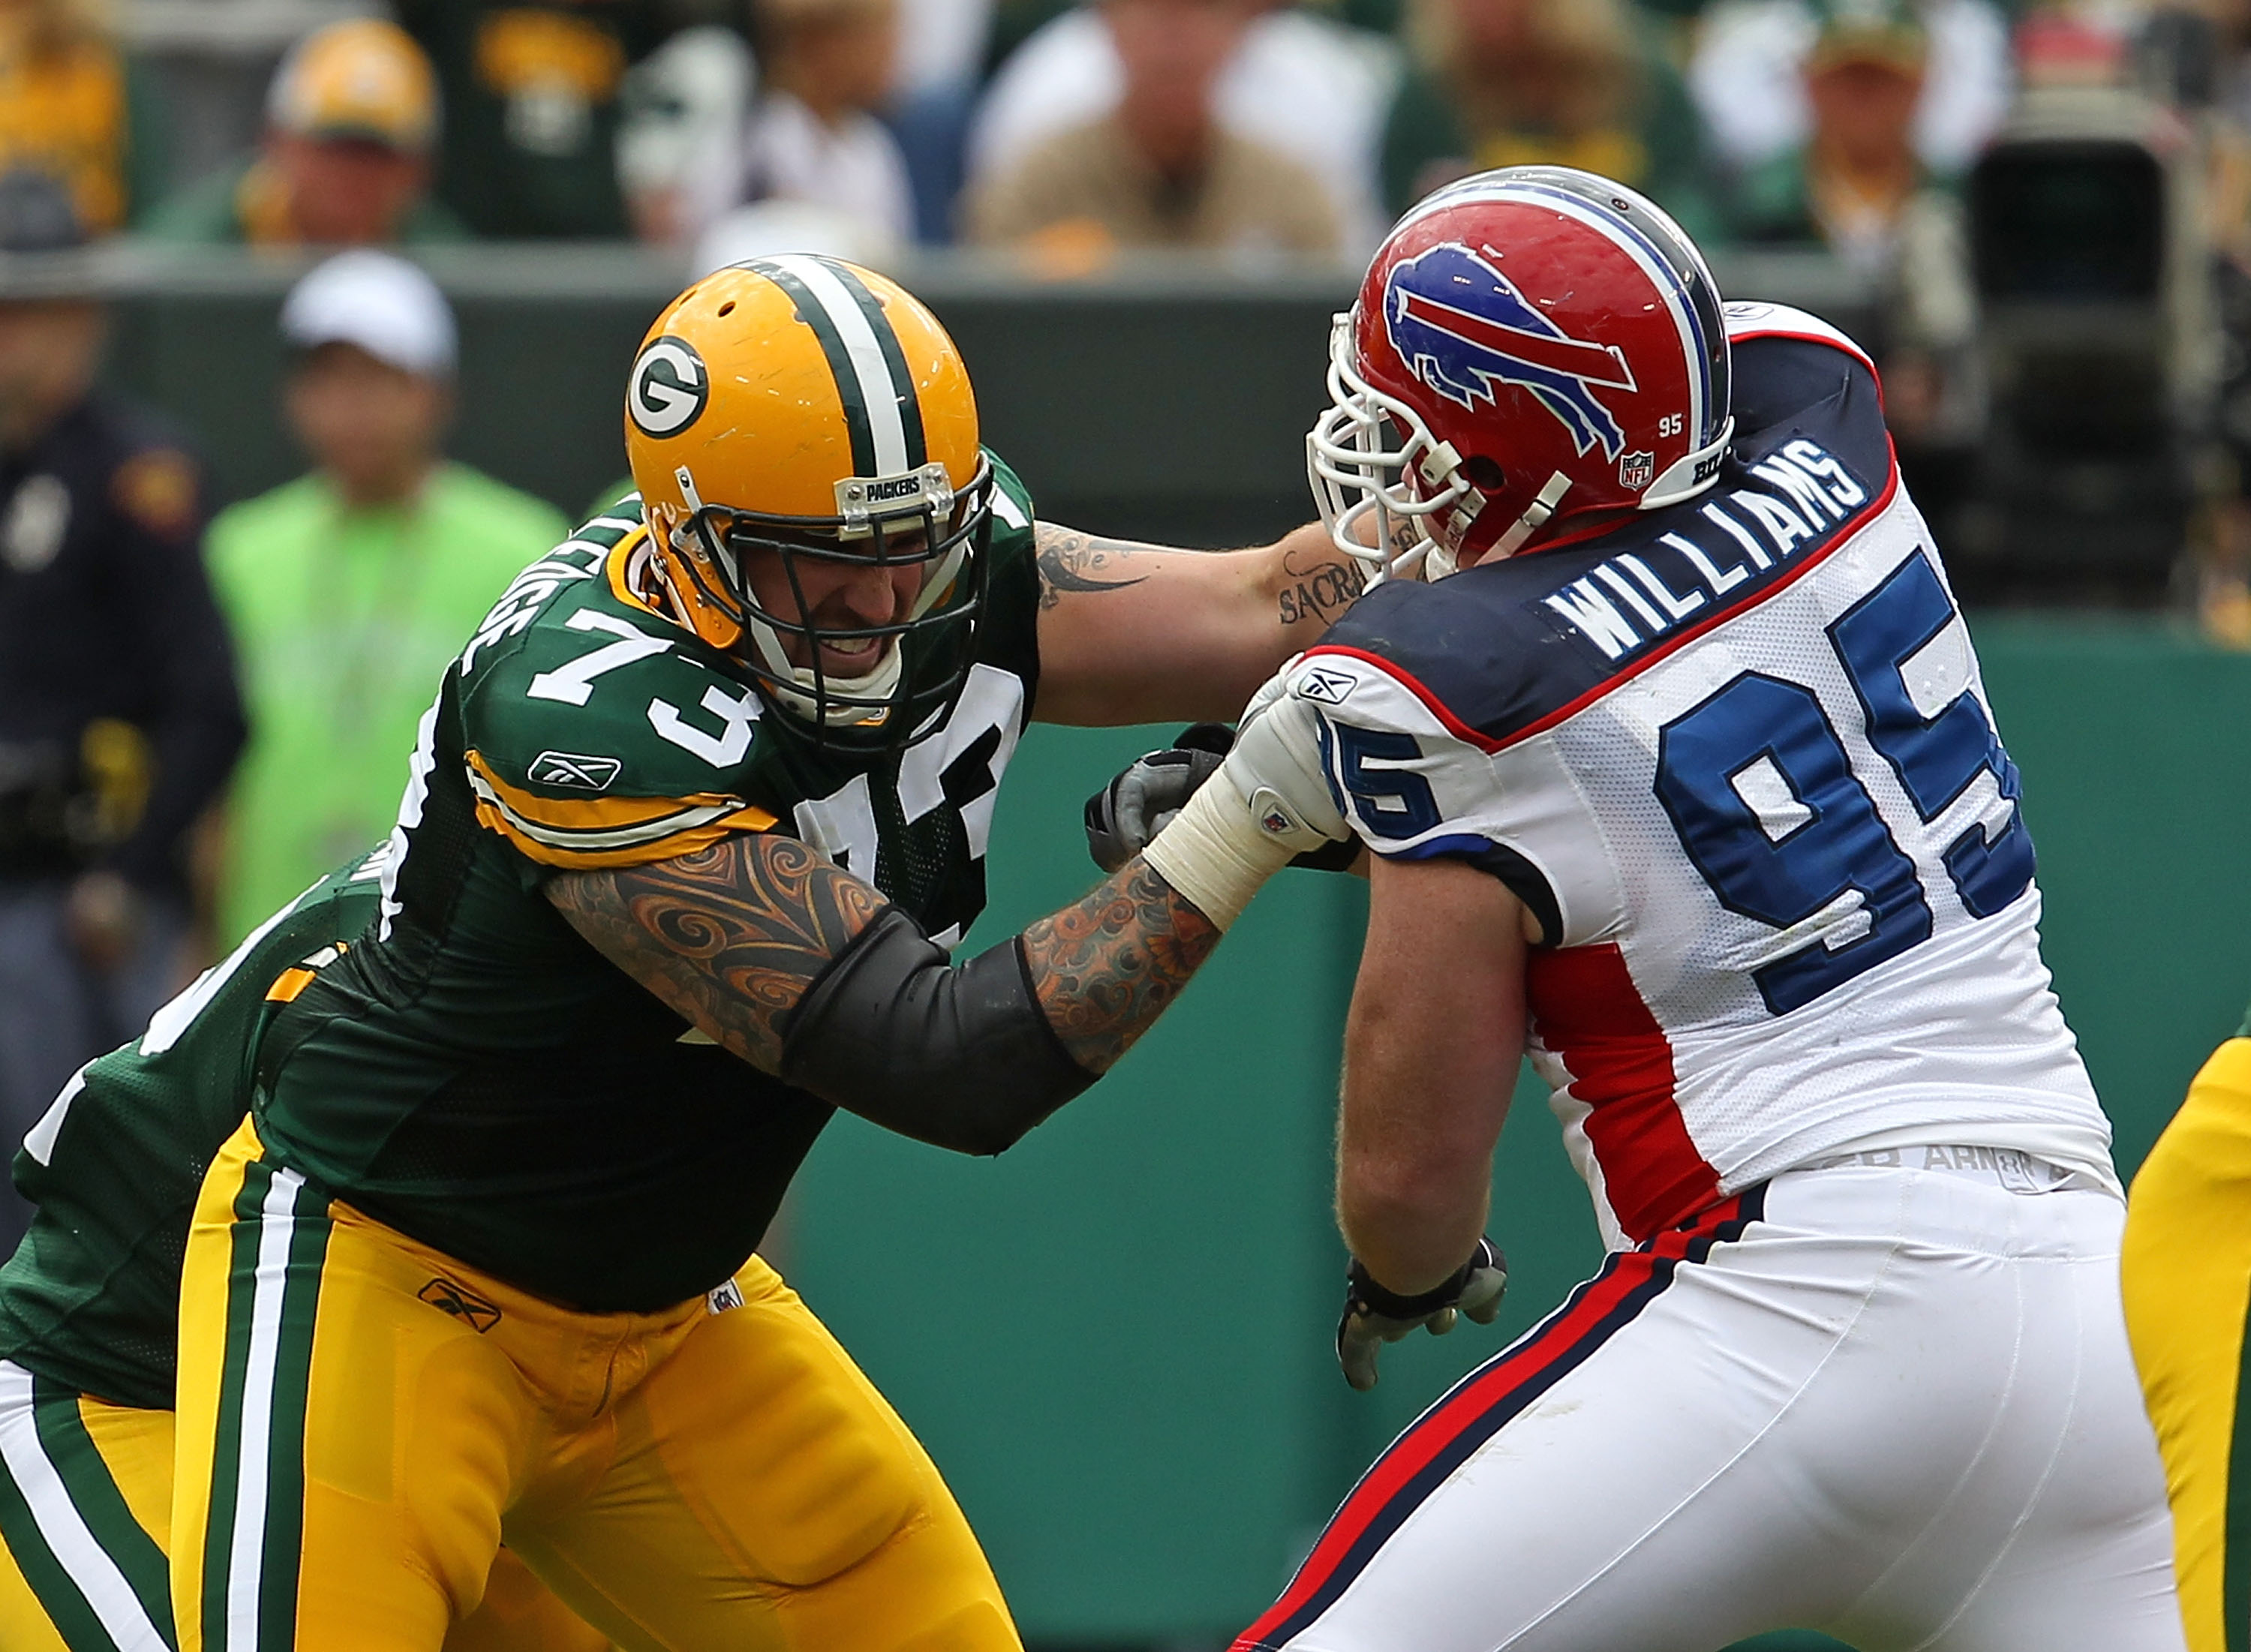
[
  {"x": 254, "y": 1534},
  {"x": 226, "y": 1442},
  {"x": 2235, "y": 1574},
  {"x": 64, "y": 1603},
  {"x": 292, "y": 1370},
  {"x": 94, "y": 1492}
]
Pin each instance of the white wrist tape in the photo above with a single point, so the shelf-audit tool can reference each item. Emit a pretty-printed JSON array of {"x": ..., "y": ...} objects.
[{"x": 1213, "y": 853}]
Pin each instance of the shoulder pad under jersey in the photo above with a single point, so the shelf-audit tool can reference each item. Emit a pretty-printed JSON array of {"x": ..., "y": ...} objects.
[{"x": 596, "y": 731}]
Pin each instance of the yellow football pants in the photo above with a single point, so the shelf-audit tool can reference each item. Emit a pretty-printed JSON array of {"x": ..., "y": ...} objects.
[
  {"x": 2188, "y": 1277},
  {"x": 363, "y": 1420},
  {"x": 86, "y": 1508}
]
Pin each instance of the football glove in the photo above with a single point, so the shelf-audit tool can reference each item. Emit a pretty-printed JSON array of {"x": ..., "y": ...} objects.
[
  {"x": 1373, "y": 1315},
  {"x": 1141, "y": 800},
  {"x": 1145, "y": 794}
]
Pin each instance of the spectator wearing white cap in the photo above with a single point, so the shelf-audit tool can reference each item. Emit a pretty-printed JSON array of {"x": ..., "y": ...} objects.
[{"x": 351, "y": 588}]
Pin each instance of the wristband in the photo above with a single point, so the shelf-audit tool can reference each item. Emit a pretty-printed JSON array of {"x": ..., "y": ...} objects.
[{"x": 1214, "y": 854}]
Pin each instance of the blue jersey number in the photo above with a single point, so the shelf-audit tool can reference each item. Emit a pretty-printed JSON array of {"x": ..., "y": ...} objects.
[
  {"x": 1392, "y": 801},
  {"x": 1937, "y": 758},
  {"x": 1763, "y": 793}
]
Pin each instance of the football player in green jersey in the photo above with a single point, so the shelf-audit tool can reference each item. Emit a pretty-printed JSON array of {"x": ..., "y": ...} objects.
[
  {"x": 89, "y": 1305},
  {"x": 688, "y": 829}
]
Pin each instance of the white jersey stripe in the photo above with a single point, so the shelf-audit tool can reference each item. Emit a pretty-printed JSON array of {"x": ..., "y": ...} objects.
[
  {"x": 614, "y": 838},
  {"x": 247, "y": 1553},
  {"x": 39, "y": 1140},
  {"x": 866, "y": 352},
  {"x": 76, "y": 1549},
  {"x": 420, "y": 765}
]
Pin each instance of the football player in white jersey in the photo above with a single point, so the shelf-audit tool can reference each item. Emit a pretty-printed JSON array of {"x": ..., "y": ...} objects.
[{"x": 1679, "y": 780}]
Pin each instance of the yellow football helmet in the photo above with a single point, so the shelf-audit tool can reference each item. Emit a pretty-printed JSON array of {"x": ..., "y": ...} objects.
[{"x": 804, "y": 407}]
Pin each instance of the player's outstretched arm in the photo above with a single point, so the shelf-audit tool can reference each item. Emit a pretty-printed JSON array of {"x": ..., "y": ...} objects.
[
  {"x": 798, "y": 967},
  {"x": 793, "y": 964},
  {"x": 1432, "y": 1047},
  {"x": 1131, "y": 632}
]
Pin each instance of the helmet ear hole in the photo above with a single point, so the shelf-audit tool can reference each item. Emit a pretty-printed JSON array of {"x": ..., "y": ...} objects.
[{"x": 1483, "y": 473}]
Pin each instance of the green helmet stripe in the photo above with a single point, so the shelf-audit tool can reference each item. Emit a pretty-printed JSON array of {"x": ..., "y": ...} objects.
[
  {"x": 814, "y": 315},
  {"x": 903, "y": 384}
]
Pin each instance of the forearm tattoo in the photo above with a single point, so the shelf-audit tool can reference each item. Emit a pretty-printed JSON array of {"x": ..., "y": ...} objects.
[
  {"x": 1104, "y": 970},
  {"x": 1318, "y": 589},
  {"x": 1070, "y": 561},
  {"x": 729, "y": 936}
]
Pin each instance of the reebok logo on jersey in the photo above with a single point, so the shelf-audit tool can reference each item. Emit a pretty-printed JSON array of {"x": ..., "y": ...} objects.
[
  {"x": 462, "y": 1304},
  {"x": 1328, "y": 687},
  {"x": 576, "y": 770}
]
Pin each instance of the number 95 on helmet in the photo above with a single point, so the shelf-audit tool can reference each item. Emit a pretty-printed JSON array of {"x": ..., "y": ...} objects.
[{"x": 803, "y": 438}]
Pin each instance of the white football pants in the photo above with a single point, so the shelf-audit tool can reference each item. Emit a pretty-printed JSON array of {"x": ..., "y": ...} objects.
[{"x": 1895, "y": 1406}]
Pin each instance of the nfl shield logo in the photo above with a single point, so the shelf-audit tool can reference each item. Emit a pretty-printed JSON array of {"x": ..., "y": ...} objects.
[{"x": 1637, "y": 470}]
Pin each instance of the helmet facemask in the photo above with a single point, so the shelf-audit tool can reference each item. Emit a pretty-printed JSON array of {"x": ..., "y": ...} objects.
[
  {"x": 924, "y": 659},
  {"x": 1372, "y": 460}
]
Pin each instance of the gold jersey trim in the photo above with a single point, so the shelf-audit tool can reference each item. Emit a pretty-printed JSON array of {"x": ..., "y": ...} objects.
[{"x": 585, "y": 833}]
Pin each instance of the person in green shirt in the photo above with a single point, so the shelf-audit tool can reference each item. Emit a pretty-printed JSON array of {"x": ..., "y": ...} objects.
[
  {"x": 530, "y": 92},
  {"x": 350, "y": 590}
]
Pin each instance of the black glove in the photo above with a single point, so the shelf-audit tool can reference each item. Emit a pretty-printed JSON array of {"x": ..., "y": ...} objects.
[
  {"x": 1148, "y": 792},
  {"x": 1373, "y": 1315}
]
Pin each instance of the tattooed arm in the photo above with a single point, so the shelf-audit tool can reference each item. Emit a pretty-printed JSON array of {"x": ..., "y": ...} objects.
[
  {"x": 729, "y": 936},
  {"x": 1140, "y": 633},
  {"x": 799, "y": 968},
  {"x": 1106, "y": 969}
]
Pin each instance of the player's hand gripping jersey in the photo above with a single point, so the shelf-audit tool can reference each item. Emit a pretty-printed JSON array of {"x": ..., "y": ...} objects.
[
  {"x": 1735, "y": 757},
  {"x": 477, "y": 1074}
]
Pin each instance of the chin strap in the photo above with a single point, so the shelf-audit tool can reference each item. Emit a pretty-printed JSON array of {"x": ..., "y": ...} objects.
[{"x": 1441, "y": 562}]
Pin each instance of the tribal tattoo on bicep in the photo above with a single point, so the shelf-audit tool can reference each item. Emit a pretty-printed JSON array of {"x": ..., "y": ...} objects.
[
  {"x": 1070, "y": 561},
  {"x": 1104, "y": 969},
  {"x": 729, "y": 936}
]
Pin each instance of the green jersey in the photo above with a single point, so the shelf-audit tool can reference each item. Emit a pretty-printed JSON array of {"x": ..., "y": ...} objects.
[
  {"x": 475, "y": 1074},
  {"x": 91, "y": 1299}
]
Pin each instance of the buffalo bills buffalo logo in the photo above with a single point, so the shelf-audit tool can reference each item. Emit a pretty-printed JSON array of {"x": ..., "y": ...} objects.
[{"x": 1462, "y": 326}]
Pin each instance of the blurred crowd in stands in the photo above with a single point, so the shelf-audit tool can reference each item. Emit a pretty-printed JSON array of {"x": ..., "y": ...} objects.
[
  {"x": 875, "y": 124},
  {"x": 2049, "y": 202}
]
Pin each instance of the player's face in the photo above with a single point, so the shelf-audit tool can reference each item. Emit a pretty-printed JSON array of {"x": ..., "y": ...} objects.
[{"x": 840, "y": 595}]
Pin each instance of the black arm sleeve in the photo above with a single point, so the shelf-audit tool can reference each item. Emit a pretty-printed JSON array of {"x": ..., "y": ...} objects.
[{"x": 961, "y": 1058}]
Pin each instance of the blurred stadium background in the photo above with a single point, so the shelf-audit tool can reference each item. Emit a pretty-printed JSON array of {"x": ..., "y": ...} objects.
[{"x": 1116, "y": 1340}]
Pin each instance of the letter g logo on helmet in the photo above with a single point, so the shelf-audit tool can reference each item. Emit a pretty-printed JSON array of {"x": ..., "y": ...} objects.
[{"x": 668, "y": 389}]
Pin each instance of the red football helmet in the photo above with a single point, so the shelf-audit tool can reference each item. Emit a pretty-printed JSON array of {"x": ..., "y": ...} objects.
[{"x": 1529, "y": 345}]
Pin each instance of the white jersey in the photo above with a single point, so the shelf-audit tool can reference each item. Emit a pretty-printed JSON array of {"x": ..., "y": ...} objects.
[{"x": 1736, "y": 757}]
